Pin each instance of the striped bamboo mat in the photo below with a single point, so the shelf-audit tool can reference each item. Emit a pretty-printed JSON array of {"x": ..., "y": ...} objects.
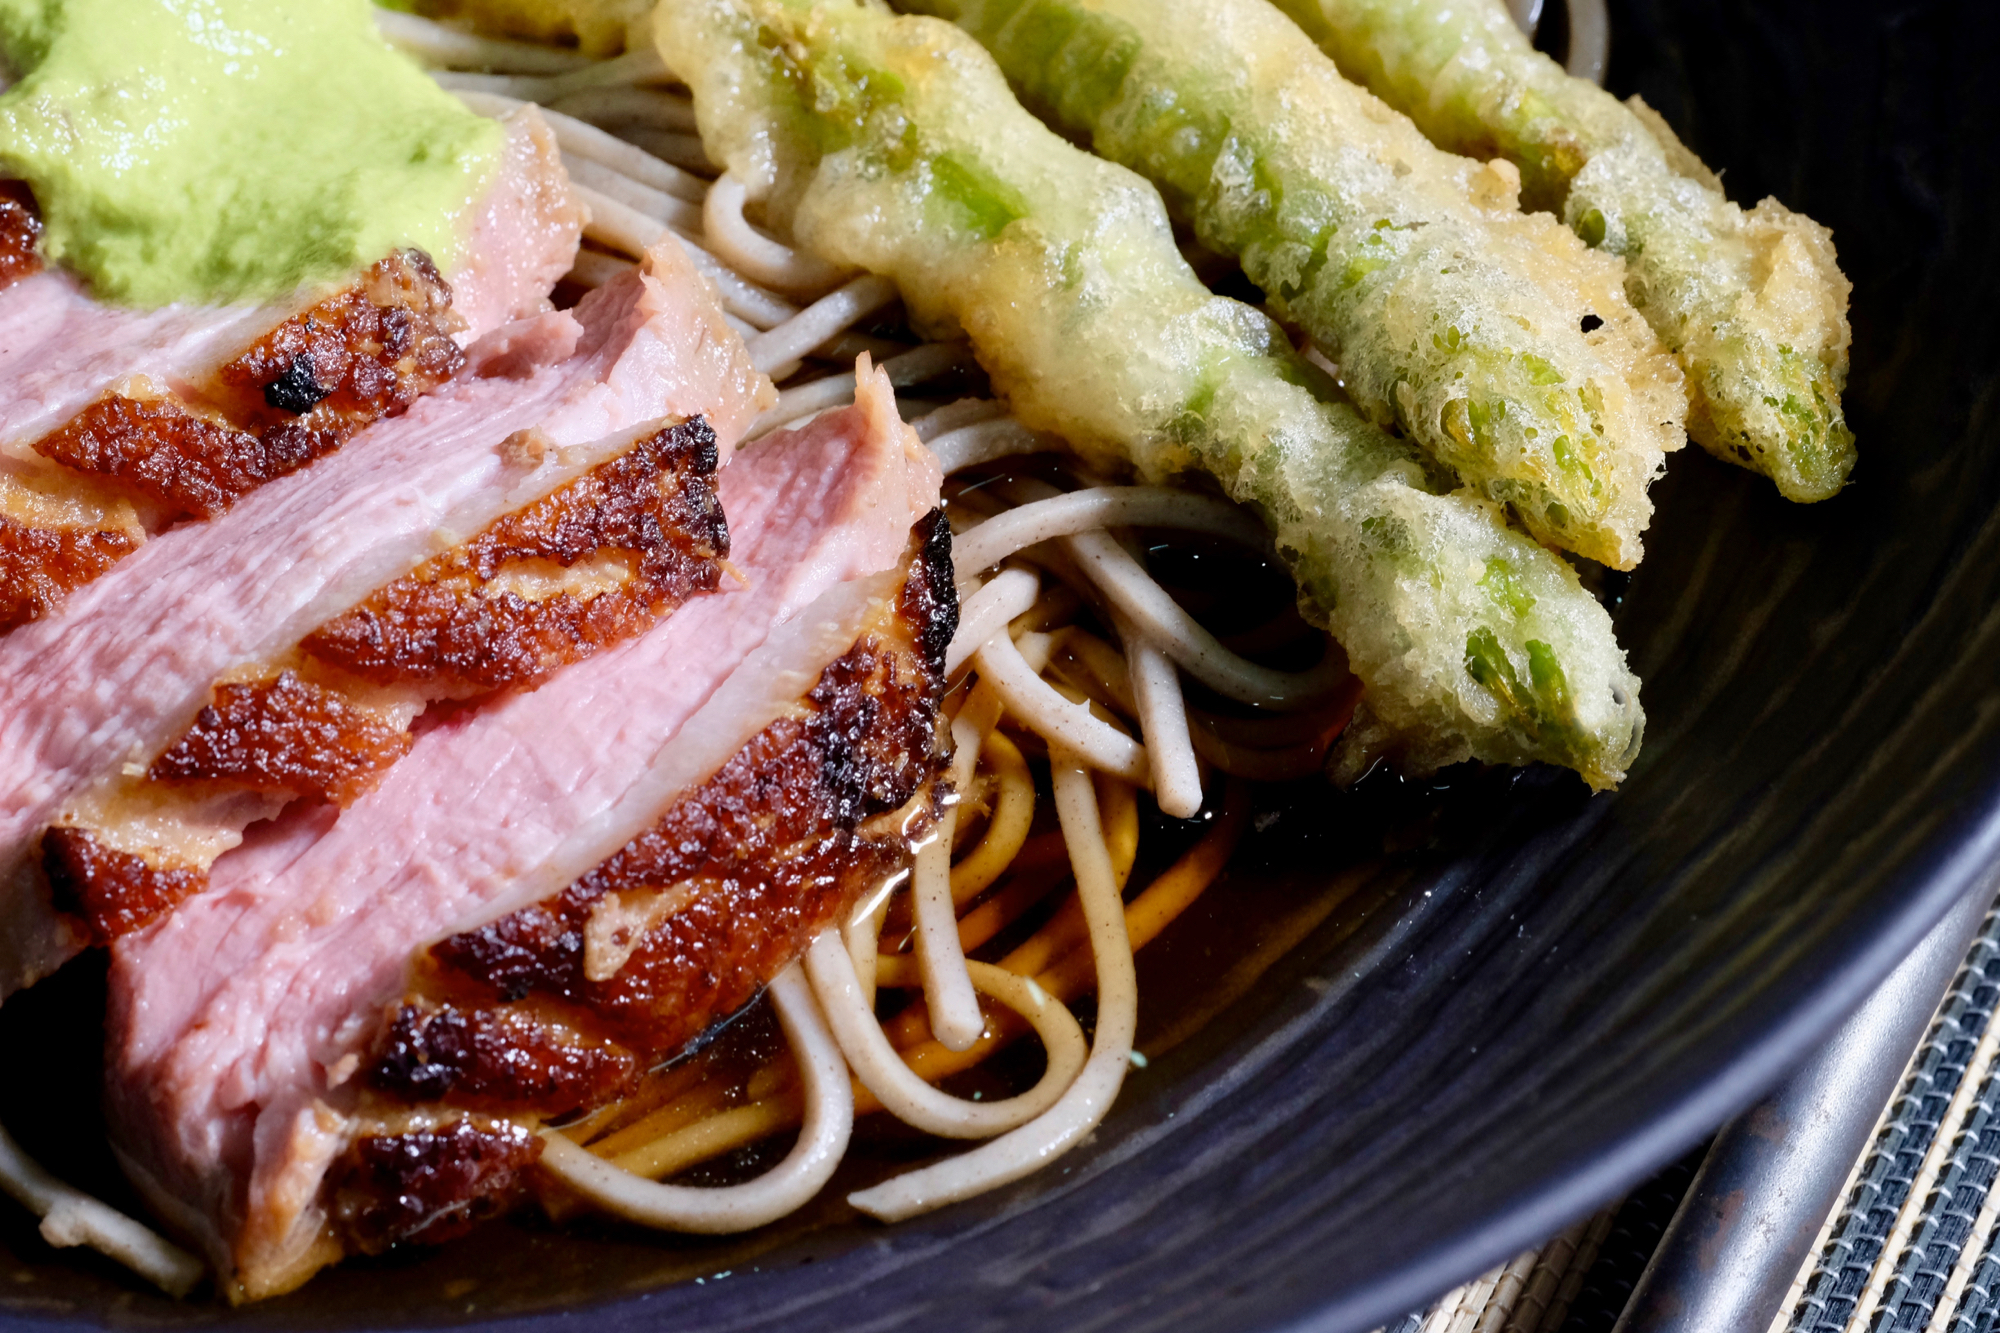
[
  {"x": 1534, "y": 1292},
  {"x": 1912, "y": 1248}
]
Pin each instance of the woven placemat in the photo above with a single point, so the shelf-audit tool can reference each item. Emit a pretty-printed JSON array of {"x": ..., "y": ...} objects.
[
  {"x": 1912, "y": 1248},
  {"x": 1576, "y": 1283},
  {"x": 1911, "y": 1245}
]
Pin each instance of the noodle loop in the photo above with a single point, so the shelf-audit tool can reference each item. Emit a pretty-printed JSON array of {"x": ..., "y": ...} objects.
[
  {"x": 752, "y": 253},
  {"x": 1090, "y": 1096},
  {"x": 915, "y": 1102},
  {"x": 829, "y": 1119},
  {"x": 1058, "y": 721}
]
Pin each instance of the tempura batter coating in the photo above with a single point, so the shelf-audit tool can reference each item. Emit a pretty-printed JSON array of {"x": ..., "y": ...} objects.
[
  {"x": 893, "y": 144},
  {"x": 1752, "y": 303},
  {"x": 1491, "y": 337},
  {"x": 596, "y": 27}
]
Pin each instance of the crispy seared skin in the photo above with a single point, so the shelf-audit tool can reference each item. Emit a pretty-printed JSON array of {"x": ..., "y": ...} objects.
[
  {"x": 285, "y": 735},
  {"x": 456, "y": 621},
  {"x": 645, "y": 525},
  {"x": 562, "y": 1005},
  {"x": 505, "y": 1058},
  {"x": 191, "y": 465},
  {"x": 364, "y": 353},
  {"x": 39, "y": 565},
  {"x": 428, "y": 1184},
  {"x": 55, "y": 535},
  {"x": 20, "y": 230},
  {"x": 112, "y": 890}
]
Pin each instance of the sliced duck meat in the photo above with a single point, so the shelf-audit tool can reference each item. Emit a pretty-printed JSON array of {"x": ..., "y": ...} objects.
[
  {"x": 252, "y": 1030},
  {"x": 476, "y": 495},
  {"x": 523, "y": 234},
  {"x": 559, "y": 1007},
  {"x": 556, "y": 1007},
  {"x": 363, "y": 353},
  {"x": 591, "y": 564},
  {"x": 54, "y": 536},
  {"x": 183, "y": 411},
  {"x": 597, "y": 560}
]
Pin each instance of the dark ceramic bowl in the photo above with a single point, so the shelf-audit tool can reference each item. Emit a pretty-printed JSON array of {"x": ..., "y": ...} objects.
[{"x": 1474, "y": 1042}]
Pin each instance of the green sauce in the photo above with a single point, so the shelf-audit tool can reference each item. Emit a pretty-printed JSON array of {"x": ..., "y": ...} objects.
[{"x": 223, "y": 150}]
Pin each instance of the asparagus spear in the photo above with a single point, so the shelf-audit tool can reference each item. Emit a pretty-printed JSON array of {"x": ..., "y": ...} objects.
[
  {"x": 893, "y": 144},
  {"x": 1493, "y": 338},
  {"x": 1752, "y": 303}
]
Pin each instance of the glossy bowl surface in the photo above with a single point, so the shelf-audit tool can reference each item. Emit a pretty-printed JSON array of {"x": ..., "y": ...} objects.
[{"x": 1544, "y": 996}]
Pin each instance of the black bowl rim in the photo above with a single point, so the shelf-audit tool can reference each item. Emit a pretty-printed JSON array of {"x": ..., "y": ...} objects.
[{"x": 1963, "y": 858}]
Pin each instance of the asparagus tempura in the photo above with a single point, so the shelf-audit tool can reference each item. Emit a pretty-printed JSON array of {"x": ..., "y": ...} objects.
[
  {"x": 893, "y": 144},
  {"x": 1493, "y": 338},
  {"x": 1751, "y": 302}
]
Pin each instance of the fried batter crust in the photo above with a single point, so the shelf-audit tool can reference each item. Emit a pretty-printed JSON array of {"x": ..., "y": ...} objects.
[
  {"x": 20, "y": 230},
  {"x": 454, "y": 621},
  {"x": 694, "y": 917}
]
